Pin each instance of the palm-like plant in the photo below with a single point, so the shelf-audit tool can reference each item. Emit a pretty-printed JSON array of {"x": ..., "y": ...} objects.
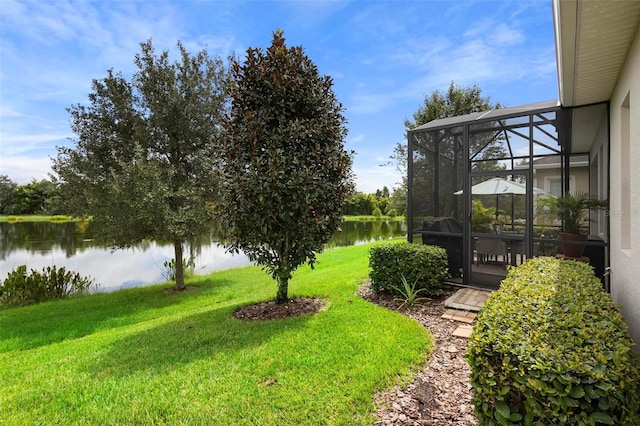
[
  {"x": 571, "y": 209},
  {"x": 410, "y": 295},
  {"x": 481, "y": 216}
]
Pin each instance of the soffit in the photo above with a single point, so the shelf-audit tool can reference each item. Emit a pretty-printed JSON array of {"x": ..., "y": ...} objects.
[{"x": 593, "y": 38}]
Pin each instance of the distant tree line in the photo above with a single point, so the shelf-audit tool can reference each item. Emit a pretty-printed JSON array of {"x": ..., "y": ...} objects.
[
  {"x": 35, "y": 197},
  {"x": 43, "y": 197},
  {"x": 380, "y": 203}
]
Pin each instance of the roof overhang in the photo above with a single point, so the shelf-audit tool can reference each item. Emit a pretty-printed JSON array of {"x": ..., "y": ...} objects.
[{"x": 592, "y": 43}]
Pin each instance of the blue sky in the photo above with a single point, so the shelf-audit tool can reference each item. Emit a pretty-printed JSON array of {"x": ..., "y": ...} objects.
[{"x": 384, "y": 57}]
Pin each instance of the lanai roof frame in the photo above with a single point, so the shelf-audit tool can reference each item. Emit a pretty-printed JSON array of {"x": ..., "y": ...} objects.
[
  {"x": 487, "y": 116},
  {"x": 499, "y": 116}
]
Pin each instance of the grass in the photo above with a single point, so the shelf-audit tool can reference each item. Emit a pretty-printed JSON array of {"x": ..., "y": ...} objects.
[
  {"x": 373, "y": 218},
  {"x": 143, "y": 356},
  {"x": 62, "y": 218},
  {"x": 36, "y": 218}
]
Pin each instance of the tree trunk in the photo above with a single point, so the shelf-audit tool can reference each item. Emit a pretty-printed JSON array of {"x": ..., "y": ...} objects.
[
  {"x": 283, "y": 288},
  {"x": 283, "y": 274},
  {"x": 177, "y": 245}
]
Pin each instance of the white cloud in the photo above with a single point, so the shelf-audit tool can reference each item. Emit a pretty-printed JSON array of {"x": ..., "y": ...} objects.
[
  {"x": 504, "y": 36},
  {"x": 216, "y": 46},
  {"x": 497, "y": 34},
  {"x": 371, "y": 178},
  {"x": 22, "y": 169},
  {"x": 488, "y": 53},
  {"x": 311, "y": 13},
  {"x": 22, "y": 143},
  {"x": 356, "y": 139},
  {"x": 421, "y": 51},
  {"x": 51, "y": 52},
  {"x": 6, "y": 111},
  {"x": 369, "y": 103}
]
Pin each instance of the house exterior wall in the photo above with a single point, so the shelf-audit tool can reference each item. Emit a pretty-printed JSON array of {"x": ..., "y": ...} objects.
[
  {"x": 625, "y": 191},
  {"x": 579, "y": 178}
]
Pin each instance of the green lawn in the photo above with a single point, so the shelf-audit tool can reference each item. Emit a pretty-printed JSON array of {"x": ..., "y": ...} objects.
[
  {"x": 35, "y": 218},
  {"x": 44, "y": 218},
  {"x": 373, "y": 218},
  {"x": 143, "y": 356}
]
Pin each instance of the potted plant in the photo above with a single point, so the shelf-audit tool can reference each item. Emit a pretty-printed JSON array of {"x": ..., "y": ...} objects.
[{"x": 573, "y": 211}]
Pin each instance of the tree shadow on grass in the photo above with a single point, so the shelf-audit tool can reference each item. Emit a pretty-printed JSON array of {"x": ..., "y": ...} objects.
[
  {"x": 201, "y": 336},
  {"x": 51, "y": 322}
]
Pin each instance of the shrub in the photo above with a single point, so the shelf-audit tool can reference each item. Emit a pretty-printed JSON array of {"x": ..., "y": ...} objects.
[
  {"x": 377, "y": 212},
  {"x": 424, "y": 265},
  {"x": 20, "y": 289},
  {"x": 392, "y": 213},
  {"x": 550, "y": 347},
  {"x": 170, "y": 268}
]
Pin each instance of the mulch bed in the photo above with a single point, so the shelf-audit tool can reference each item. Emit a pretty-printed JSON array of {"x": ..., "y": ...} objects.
[
  {"x": 441, "y": 393},
  {"x": 271, "y": 310}
]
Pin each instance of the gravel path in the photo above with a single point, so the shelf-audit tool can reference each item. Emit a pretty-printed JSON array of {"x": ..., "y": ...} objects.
[{"x": 441, "y": 393}]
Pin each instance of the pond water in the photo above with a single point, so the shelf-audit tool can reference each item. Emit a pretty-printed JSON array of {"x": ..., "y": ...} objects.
[{"x": 71, "y": 244}]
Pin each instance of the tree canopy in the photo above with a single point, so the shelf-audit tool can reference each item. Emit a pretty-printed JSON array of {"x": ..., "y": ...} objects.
[
  {"x": 361, "y": 204},
  {"x": 287, "y": 174},
  {"x": 456, "y": 101},
  {"x": 35, "y": 197},
  {"x": 144, "y": 163}
]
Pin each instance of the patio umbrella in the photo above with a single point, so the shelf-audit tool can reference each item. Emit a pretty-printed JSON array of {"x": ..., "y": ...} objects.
[{"x": 498, "y": 186}]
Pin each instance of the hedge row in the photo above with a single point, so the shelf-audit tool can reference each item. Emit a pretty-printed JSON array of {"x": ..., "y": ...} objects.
[
  {"x": 424, "y": 265},
  {"x": 550, "y": 347}
]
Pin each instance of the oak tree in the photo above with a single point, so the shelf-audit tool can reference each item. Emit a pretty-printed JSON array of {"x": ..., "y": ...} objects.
[{"x": 144, "y": 163}]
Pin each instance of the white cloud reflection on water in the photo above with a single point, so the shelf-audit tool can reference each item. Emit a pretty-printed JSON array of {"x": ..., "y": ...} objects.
[{"x": 121, "y": 268}]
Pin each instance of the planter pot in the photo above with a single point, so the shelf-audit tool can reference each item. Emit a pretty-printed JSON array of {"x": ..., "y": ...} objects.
[{"x": 572, "y": 250}]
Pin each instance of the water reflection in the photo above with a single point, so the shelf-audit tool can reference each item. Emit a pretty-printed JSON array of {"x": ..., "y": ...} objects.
[{"x": 71, "y": 244}]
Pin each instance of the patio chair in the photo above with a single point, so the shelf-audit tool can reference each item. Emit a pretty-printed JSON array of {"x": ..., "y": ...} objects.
[{"x": 489, "y": 250}]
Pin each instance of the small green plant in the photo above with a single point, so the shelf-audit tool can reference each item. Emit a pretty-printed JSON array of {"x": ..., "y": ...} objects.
[
  {"x": 170, "y": 268},
  {"x": 483, "y": 217},
  {"x": 377, "y": 212},
  {"x": 20, "y": 288},
  {"x": 409, "y": 294},
  {"x": 392, "y": 213}
]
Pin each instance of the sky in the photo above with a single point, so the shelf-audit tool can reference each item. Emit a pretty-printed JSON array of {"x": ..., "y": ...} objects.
[{"x": 384, "y": 58}]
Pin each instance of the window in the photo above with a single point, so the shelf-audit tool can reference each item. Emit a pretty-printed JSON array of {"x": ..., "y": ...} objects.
[{"x": 554, "y": 186}]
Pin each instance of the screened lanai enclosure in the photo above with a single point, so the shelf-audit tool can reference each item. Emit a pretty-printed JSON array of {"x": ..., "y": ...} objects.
[{"x": 475, "y": 184}]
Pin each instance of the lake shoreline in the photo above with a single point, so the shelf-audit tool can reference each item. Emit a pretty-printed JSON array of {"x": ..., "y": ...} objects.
[
  {"x": 67, "y": 218},
  {"x": 72, "y": 245}
]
